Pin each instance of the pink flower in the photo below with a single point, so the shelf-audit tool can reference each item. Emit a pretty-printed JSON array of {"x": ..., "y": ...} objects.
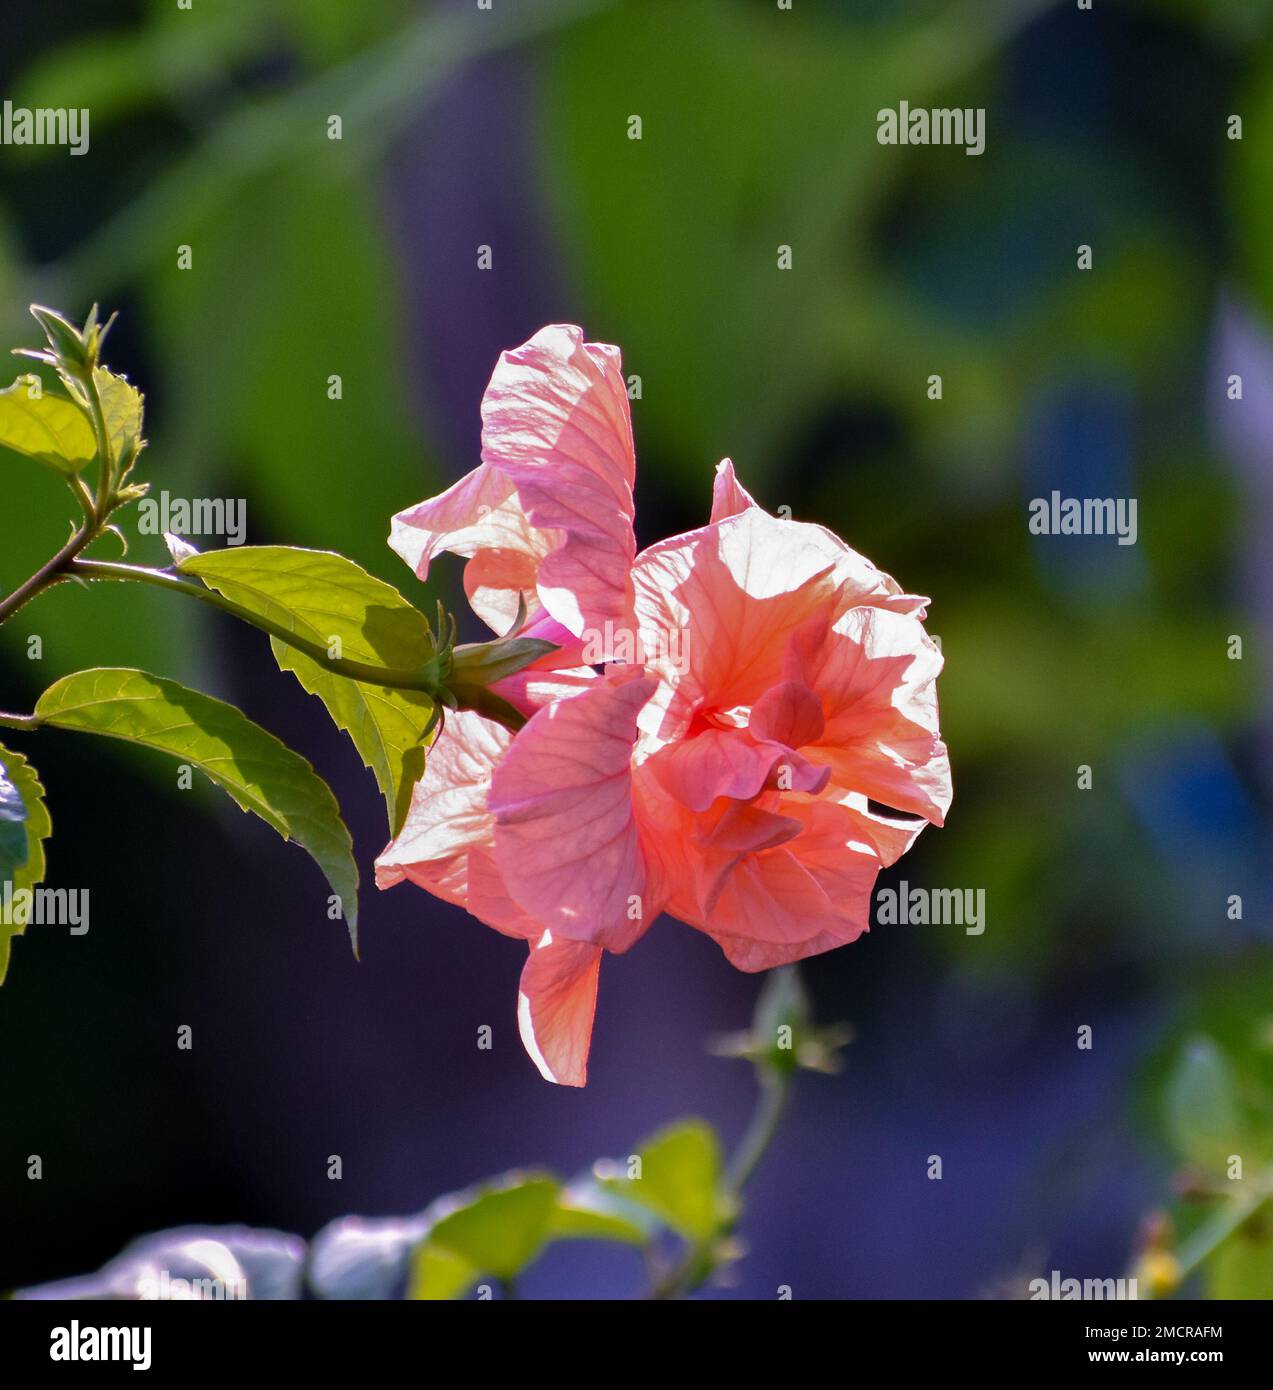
[
  {"x": 772, "y": 745},
  {"x": 548, "y": 512}
]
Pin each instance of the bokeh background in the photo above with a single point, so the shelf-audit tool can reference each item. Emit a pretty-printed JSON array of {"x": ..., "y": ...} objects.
[{"x": 1107, "y": 907}]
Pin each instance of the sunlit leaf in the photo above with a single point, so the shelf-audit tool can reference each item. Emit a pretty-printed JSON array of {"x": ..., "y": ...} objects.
[
  {"x": 121, "y": 408},
  {"x": 438, "y": 1273},
  {"x": 589, "y": 1210},
  {"x": 259, "y": 772},
  {"x": 496, "y": 1230},
  {"x": 49, "y": 428},
  {"x": 681, "y": 1180},
  {"x": 332, "y": 601}
]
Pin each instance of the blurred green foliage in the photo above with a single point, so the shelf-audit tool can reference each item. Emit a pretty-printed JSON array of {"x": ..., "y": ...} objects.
[
  {"x": 293, "y": 281},
  {"x": 1219, "y": 1117}
]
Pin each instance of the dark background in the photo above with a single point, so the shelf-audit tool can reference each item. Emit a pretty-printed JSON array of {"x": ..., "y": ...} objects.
[{"x": 1104, "y": 907}]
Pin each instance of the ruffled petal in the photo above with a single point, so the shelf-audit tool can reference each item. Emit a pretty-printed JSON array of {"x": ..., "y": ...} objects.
[
  {"x": 549, "y": 511},
  {"x": 730, "y": 763},
  {"x": 727, "y": 598},
  {"x": 788, "y": 713},
  {"x": 875, "y": 673},
  {"x": 566, "y": 840},
  {"x": 446, "y": 841},
  {"x": 480, "y": 516},
  {"x": 448, "y": 814},
  {"x": 555, "y": 1007},
  {"x": 809, "y": 895},
  {"x": 556, "y": 423}
]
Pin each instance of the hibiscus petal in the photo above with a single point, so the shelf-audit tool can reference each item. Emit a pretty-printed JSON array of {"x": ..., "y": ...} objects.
[
  {"x": 533, "y": 687},
  {"x": 717, "y": 762},
  {"x": 480, "y": 516},
  {"x": 800, "y": 884},
  {"x": 556, "y": 423},
  {"x": 448, "y": 814},
  {"x": 890, "y": 836},
  {"x": 497, "y": 581},
  {"x": 556, "y": 1003},
  {"x": 810, "y": 895},
  {"x": 746, "y": 827},
  {"x": 749, "y": 954},
  {"x": 489, "y": 900},
  {"x": 729, "y": 496},
  {"x": 876, "y": 673},
  {"x": 772, "y": 900},
  {"x": 788, "y": 713},
  {"x": 729, "y": 597},
  {"x": 566, "y": 840},
  {"x": 729, "y": 762},
  {"x": 549, "y": 510},
  {"x": 446, "y": 840}
]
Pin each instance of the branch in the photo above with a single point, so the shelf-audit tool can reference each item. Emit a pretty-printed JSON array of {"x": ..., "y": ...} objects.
[{"x": 53, "y": 571}]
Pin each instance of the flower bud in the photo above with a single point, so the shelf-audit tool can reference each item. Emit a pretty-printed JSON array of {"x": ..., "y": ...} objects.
[
  {"x": 72, "y": 350},
  {"x": 476, "y": 667}
]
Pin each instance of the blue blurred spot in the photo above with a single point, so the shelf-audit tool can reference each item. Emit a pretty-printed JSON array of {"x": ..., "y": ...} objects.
[{"x": 1079, "y": 444}]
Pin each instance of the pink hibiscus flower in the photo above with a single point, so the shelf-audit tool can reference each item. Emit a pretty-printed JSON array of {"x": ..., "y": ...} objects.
[{"x": 769, "y": 743}]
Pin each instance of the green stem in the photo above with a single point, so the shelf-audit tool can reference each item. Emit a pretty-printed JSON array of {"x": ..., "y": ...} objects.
[
  {"x": 395, "y": 678},
  {"x": 699, "y": 1260},
  {"x": 53, "y": 571},
  {"x": 775, "y": 1087},
  {"x": 85, "y": 498},
  {"x": 105, "y": 448},
  {"x": 1211, "y": 1235},
  {"x": 18, "y": 721}
]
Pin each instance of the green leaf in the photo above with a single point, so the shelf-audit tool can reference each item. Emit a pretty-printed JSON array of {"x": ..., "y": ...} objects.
[
  {"x": 681, "y": 1181},
  {"x": 1202, "y": 1107},
  {"x": 438, "y": 1273},
  {"x": 588, "y": 1210},
  {"x": 121, "y": 408},
  {"x": 329, "y": 599},
  {"x": 67, "y": 341},
  {"x": 50, "y": 429},
  {"x": 260, "y": 773},
  {"x": 24, "y": 826},
  {"x": 1243, "y": 1266},
  {"x": 496, "y": 1229}
]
